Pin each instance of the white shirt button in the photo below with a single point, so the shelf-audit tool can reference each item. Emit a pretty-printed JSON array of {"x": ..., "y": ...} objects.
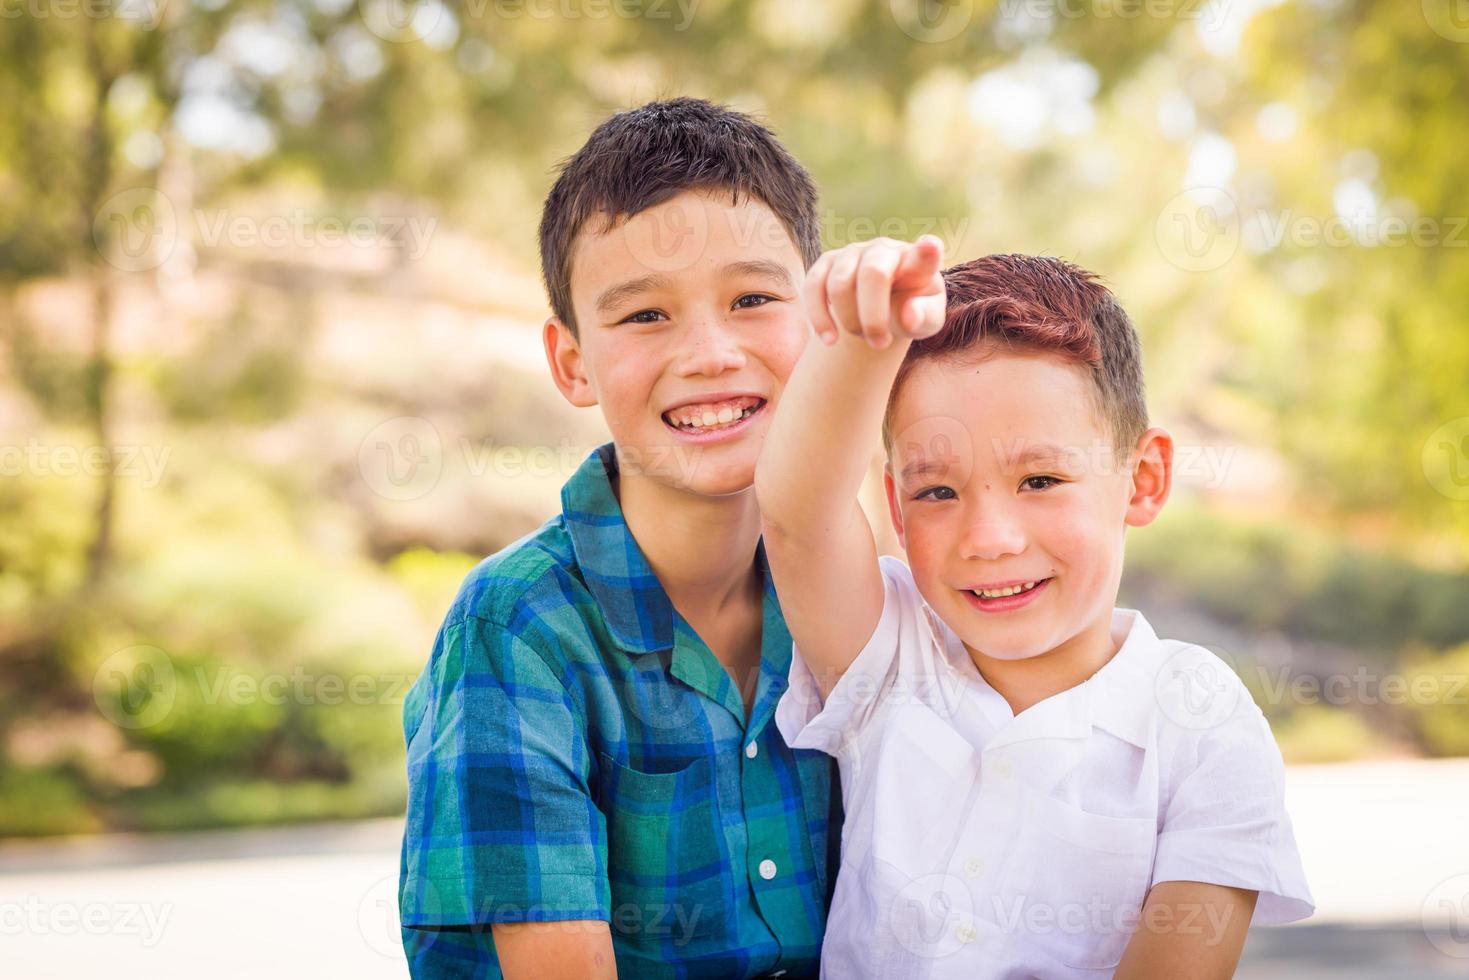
[
  {"x": 767, "y": 869},
  {"x": 751, "y": 751},
  {"x": 966, "y": 934},
  {"x": 1001, "y": 768},
  {"x": 974, "y": 867}
]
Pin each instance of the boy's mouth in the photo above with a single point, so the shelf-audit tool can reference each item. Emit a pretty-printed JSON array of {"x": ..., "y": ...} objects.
[
  {"x": 698, "y": 418},
  {"x": 1006, "y": 597}
]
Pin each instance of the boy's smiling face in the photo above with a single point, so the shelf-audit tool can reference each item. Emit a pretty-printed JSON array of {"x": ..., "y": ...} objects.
[
  {"x": 689, "y": 323},
  {"x": 1003, "y": 474}
]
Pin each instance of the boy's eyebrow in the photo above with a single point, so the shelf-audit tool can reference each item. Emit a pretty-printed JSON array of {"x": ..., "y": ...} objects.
[
  {"x": 760, "y": 267},
  {"x": 1038, "y": 452},
  {"x": 923, "y": 467},
  {"x": 613, "y": 295}
]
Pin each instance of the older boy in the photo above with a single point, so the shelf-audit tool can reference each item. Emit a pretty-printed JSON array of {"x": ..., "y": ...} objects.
[
  {"x": 1036, "y": 785},
  {"x": 595, "y": 784}
]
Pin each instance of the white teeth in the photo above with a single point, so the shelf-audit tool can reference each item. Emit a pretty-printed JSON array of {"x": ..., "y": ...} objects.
[
  {"x": 1001, "y": 593},
  {"x": 709, "y": 417}
]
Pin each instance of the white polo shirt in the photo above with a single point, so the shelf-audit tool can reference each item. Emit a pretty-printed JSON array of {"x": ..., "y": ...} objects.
[{"x": 978, "y": 843}]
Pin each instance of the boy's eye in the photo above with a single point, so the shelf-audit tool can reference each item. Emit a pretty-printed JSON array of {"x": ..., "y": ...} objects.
[
  {"x": 1040, "y": 482},
  {"x": 751, "y": 301},
  {"x": 936, "y": 493},
  {"x": 643, "y": 316}
]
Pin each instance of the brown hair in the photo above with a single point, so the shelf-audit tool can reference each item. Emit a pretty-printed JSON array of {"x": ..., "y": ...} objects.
[
  {"x": 1038, "y": 304},
  {"x": 640, "y": 158}
]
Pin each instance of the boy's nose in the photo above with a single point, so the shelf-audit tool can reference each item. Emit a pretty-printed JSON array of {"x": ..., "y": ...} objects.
[
  {"x": 710, "y": 348},
  {"x": 991, "y": 539}
]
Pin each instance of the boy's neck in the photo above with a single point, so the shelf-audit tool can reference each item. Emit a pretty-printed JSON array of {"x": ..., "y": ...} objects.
[
  {"x": 701, "y": 548},
  {"x": 1027, "y": 682}
]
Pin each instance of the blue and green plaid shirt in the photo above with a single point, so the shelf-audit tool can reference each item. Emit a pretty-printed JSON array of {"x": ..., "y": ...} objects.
[{"x": 575, "y": 751}]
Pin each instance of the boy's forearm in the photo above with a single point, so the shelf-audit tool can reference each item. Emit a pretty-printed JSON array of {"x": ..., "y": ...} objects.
[{"x": 816, "y": 452}]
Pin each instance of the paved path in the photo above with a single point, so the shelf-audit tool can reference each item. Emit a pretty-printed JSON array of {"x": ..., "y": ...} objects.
[{"x": 1386, "y": 847}]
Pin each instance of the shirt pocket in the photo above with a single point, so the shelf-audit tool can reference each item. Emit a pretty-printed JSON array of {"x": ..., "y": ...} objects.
[
  {"x": 665, "y": 862},
  {"x": 925, "y": 777},
  {"x": 1078, "y": 880}
]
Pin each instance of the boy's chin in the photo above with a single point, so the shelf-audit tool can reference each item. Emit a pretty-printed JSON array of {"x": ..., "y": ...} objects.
[{"x": 709, "y": 471}]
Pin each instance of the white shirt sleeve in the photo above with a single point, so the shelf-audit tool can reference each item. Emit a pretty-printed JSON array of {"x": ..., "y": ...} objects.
[
  {"x": 856, "y": 699},
  {"x": 1224, "y": 818}
]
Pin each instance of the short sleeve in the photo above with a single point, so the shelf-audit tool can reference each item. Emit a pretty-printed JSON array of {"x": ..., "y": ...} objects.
[
  {"x": 501, "y": 823},
  {"x": 1225, "y": 821},
  {"x": 843, "y": 719}
]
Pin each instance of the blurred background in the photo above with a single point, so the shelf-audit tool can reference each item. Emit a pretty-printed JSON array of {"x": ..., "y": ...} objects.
[{"x": 271, "y": 383}]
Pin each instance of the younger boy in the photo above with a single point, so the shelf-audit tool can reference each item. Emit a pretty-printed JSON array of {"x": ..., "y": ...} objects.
[
  {"x": 595, "y": 785},
  {"x": 1035, "y": 784}
]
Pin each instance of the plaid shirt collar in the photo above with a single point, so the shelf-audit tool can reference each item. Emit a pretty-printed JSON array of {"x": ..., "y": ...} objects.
[{"x": 637, "y": 610}]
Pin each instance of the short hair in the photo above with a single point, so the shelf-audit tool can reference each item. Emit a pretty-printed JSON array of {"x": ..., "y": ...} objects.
[
  {"x": 1041, "y": 305},
  {"x": 640, "y": 158}
]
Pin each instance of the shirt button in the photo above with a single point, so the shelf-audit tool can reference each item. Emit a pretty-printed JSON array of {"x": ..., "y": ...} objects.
[
  {"x": 767, "y": 867},
  {"x": 751, "y": 751},
  {"x": 974, "y": 867},
  {"x": 1002, "y": 769},
  {"x": 966, "y": 934}
]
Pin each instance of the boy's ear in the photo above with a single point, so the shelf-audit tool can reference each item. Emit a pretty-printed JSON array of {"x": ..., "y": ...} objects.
[
  {"x": 568, "y": 368},
  {"x": 894, "y": 512},
  {"x": 1152, "y": 476}
]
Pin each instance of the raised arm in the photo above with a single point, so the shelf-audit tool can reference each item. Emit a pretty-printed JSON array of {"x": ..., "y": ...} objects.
[{"x": 867, "y": 302}]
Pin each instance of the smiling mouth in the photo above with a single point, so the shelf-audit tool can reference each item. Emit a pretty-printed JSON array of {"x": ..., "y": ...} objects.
[
  {"x": 713, "y": 416},
  {"x": 1008, "y": 590}
]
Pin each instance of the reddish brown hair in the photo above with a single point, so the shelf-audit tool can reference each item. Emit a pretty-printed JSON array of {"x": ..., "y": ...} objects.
[{"x": 1042, "y": 305}]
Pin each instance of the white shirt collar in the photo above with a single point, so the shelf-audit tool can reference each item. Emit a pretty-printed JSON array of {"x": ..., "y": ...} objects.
[{"x": 1119, "y": 698}]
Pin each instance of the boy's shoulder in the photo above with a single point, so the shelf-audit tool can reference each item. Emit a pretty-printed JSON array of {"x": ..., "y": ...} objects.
[{"x": 522, "y": 582}]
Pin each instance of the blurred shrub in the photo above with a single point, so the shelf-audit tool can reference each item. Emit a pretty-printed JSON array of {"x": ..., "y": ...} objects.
[
  {"x": 1319, "y": 733},
  {"x": 1439, "y": 701},
  {"x": 1267, "y": 577}
]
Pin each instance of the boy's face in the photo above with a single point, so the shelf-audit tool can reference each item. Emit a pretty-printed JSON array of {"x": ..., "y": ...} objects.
[
  {"x": 690, "y": 323},
  {"x": 1002, "y": 474}
]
